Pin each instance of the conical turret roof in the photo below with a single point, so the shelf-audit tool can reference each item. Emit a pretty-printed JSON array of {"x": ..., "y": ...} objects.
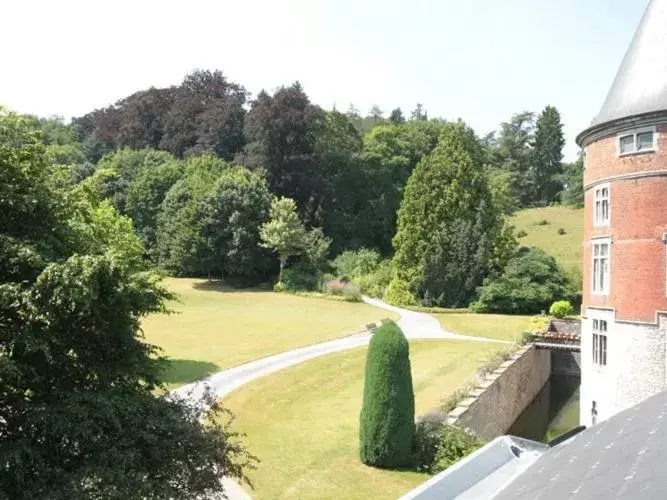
[{"x": 640, "y": 85}]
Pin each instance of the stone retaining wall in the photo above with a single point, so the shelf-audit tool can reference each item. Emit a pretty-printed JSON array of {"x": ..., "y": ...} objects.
[{"x": 491, "y": 409}]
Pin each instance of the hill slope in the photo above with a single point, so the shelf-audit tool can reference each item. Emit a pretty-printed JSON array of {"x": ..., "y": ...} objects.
[{"x": 566, "y": 248}]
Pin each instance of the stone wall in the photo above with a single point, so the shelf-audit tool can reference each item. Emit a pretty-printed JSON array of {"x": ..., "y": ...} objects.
[
  {"x": 636, "y": 365},
  {"x": 566, "y": 363},
  {"x": 491, "y": 409}
]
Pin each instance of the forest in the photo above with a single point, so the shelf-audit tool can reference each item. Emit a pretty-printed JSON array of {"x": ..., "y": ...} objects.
[{"x": 414, "y": 202}]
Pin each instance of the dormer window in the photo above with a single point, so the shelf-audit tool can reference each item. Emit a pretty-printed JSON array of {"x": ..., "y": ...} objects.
[{"x": 637, "y": 141}]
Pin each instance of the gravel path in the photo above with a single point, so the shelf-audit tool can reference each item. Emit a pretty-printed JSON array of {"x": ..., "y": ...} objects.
[{"x": 415, "y": 325}]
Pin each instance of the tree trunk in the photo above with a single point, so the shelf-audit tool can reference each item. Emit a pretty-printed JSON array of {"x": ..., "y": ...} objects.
[{"x": 282, "y": 265}]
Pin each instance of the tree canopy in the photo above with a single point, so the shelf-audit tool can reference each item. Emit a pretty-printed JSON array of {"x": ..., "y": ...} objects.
[
  {"x": 450, "y": 234},
  {"x": 79, "y": 417}
]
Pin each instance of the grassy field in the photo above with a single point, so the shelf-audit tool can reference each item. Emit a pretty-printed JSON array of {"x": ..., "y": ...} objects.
[
  {"x": 495, "y": 326},
  {"x": 219, "y": 328},
  {"x": 303, "y": 422},
  {"x": 566, "y": 248}
]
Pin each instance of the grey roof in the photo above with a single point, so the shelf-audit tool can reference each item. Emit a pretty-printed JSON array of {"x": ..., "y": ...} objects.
[
  {"x": 566, "y": 326},
  {"x": 640, "y": 85},
  {"x": 622, "y": 458},
  {"x": 482, "y": 473}
]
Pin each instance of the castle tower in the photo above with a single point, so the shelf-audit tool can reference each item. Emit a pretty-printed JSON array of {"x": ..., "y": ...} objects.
[{"x": 624, "y": 311}]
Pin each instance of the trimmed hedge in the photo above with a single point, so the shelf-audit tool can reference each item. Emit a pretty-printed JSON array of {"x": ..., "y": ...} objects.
[{"x": 387, "y": 422}]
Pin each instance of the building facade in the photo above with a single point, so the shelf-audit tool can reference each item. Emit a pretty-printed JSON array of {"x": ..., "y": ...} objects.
[{"x": 624, "y": 310}]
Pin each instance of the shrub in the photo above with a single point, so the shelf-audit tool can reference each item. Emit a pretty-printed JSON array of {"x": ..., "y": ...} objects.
[
  {"x": 496, "y": 359},
  {"x": 387, "y": 421},
  {"x": 398, "y": 294},
  {"x": 302, "y": 276},
  {"x": 375, "y": 283},
  {"x": 542, "y": 222},
  {"x": 538, "y": 324},
  {"x": 561, "y": 308},
  {"x": 561, "y": 231},
  {"x": 439, "y": 445},
  {"x": 521, "y": 234},
  {"x": 278, "y": 287},
  {"x": 351, "y": 294},
  {"x": 453, "y": 400},
  {"x": 354, "y": 263},
  {"x": 527, "y": 337},
  {"x": 341, "y": 288},
  {"x": 531, "y": 281}
]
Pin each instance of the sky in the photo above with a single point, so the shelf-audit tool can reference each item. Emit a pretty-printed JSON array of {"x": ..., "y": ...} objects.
[{"x": 478, "y": 60}]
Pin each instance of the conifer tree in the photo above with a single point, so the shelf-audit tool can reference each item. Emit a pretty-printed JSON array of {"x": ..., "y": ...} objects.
[
  {"x": 548, "y": 155},
  {"x": 387, "y": 423}
]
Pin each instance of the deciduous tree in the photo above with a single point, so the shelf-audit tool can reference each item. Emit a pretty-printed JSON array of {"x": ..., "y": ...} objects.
[
  {"x": 79, "y": 416},
  {"x": 284, "y": 232}
]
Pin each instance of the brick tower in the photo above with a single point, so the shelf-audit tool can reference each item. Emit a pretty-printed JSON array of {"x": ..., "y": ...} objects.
[{"x": 624, "y": 311}]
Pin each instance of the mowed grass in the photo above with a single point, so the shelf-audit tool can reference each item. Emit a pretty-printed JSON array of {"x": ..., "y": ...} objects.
[
  {"x": 566, "y": 248},
  {"x": 303, "y": 422},
  {"x": 493, "y": 326},
  {"x": 218, "y": 328}
]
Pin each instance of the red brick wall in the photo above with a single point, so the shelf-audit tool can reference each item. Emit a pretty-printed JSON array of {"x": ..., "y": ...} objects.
[
  {"x": 637, "y": 223},
  {"x": 602, "y": 160}
]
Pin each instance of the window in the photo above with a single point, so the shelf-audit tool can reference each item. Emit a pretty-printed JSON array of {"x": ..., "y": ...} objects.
[
  {"x": 599, "y": 342},
  {"x": 627, "y": 144},
  {"x": 601, "y": 266},
  {"x": 602, "y": 205},
  {"x": 644, "y": 141},
  {"x": 636, "y": 142}
]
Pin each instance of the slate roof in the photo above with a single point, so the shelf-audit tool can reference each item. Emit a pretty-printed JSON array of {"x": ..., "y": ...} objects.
[
  {"x": 640, "y": 85},
  {"x": 565, "y": 326},
  {"x": 622, "y": 458}
]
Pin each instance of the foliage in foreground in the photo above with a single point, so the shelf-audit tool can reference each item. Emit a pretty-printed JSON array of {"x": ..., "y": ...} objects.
[
  {"x": 531, "y": 281},
  {"x": 78, "y": 413},
  {"x": 387, "y": 422},
  {"x": 439, "y": 445}
]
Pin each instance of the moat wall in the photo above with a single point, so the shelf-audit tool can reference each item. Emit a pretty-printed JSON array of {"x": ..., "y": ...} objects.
[{"x": 502, "y": 396}]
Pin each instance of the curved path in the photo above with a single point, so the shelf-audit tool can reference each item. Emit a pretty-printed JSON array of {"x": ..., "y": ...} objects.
[{"x": 415, "y": 325}]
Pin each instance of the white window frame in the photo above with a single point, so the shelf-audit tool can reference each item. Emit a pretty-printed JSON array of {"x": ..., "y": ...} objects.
[
  {"x": 634, "y": 133},
  {"x": 597, "y": 220},
  {"x": 604, "y": 290},
  {"x": 600, "y": 341}
]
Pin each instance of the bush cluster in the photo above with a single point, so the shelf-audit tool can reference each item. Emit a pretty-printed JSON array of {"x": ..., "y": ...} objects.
[
  {"x": 439, "y": 445},
  {"x": 366, "y": 269},
  {"x": 531, "y": 281},
  {"x": 561, "y": 308}
]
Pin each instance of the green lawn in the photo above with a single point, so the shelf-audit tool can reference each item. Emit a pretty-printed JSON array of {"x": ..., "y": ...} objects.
[
  {"x": 495, "y": 326},
  {"x": 566, "y": 248},
  {"x": 303, "y": 422},
  {"x": 219, "y": 328}
]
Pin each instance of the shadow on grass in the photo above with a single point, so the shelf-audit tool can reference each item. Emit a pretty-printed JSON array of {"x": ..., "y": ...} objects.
[
  {"x": 183, "y": 371},
  {"x": 227, "y": 287}
]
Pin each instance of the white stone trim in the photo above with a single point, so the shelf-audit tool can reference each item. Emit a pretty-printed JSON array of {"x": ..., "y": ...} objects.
[{"x": 627, "y": 177}]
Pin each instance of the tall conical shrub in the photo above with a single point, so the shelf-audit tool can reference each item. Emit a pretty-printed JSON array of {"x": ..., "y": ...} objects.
[{"x": 387, "y": 426}]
